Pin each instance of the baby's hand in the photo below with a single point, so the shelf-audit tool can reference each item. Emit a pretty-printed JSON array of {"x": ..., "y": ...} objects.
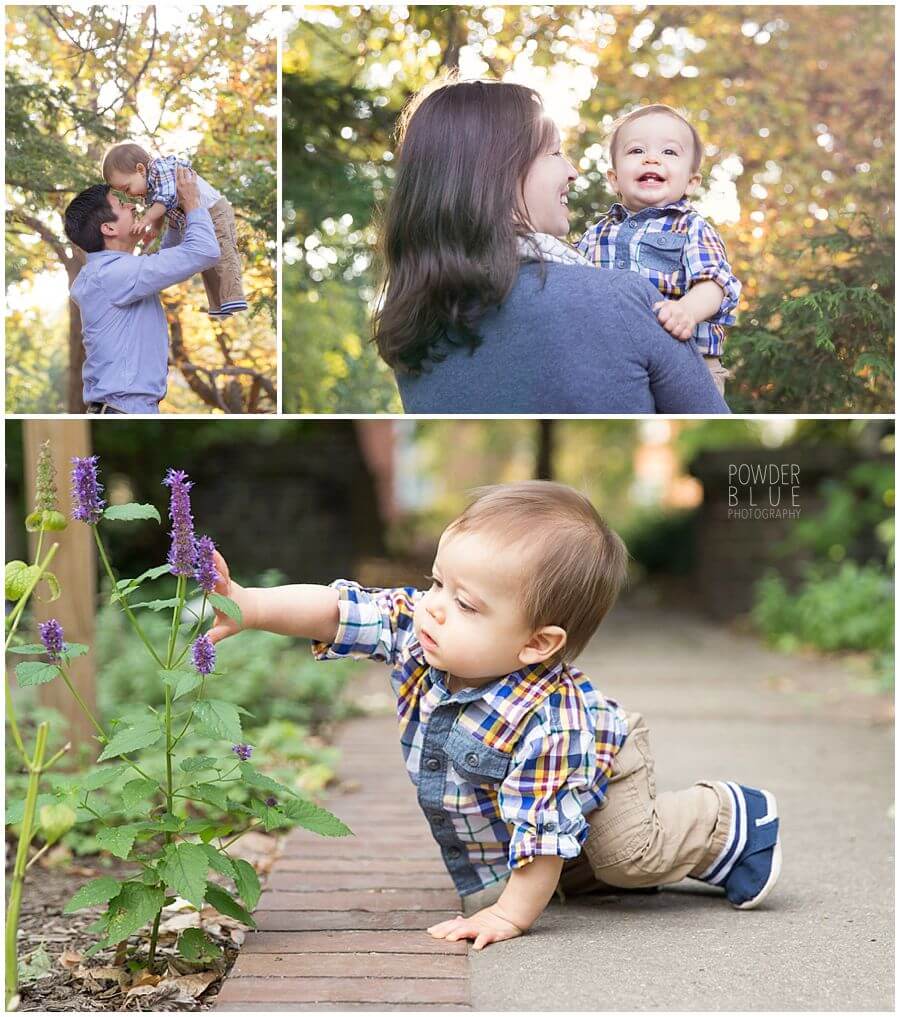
[
  {"x": 675, "y": 318},
  {"x": 225, "y": 626},
  {"x": 485, "y": 927}
]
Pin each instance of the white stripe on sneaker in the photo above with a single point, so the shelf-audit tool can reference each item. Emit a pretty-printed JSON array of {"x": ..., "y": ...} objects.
[{"x": 737, "y": 839}]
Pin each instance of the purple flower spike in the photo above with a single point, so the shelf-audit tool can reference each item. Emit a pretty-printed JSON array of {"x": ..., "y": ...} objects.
[
  {"x": 206, "y": 574},
  {"x": 271, "y": 801},
  {"x": 183, "y": 551},
  {"x": 87, "y": 505},
  {"x": 203, "y": 654},
  {"x": 243, "y": 752},
  {"x": 52, "y": 638}
]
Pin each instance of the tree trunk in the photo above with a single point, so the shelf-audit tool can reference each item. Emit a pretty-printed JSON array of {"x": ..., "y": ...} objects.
[
  {"x": 75, "y": 566},
  {"x": 545, "y": 439},
  {"x": 75, "y": 388}
]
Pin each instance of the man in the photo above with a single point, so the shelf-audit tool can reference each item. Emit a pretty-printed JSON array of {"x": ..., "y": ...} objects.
[{"x": 126, "y": 336}]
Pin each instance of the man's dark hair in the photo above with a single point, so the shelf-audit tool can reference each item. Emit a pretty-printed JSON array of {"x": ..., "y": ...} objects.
[{"x": 85, "y": 215}]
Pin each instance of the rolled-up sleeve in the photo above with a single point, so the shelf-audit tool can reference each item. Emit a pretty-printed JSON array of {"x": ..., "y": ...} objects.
[
  {"x": 372, "y": 623},
  {"x": 161, "y": 184},
  {"x": 705, "y": 258},
  {"x": 539, "y": 798}
]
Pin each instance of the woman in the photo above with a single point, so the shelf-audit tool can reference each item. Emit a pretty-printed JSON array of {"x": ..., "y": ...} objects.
[{"x": 483, "y": 309}]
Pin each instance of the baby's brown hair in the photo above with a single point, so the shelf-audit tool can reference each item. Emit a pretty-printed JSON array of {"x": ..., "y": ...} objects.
[
  {"x": 578, "y": 564},
  {"x": 124, "y": 158}
]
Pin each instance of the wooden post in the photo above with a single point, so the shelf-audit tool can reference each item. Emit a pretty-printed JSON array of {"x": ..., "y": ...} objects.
[{"x": 75, "y": 566}]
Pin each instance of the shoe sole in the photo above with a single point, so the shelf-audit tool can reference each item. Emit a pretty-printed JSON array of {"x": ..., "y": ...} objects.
[{"x": 776, "y": 861}]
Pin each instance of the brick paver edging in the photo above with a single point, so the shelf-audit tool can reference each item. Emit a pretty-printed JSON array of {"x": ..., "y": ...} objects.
[{"x": 342, "y": 920}]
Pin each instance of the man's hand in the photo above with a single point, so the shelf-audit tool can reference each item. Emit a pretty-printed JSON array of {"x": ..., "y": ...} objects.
[
  {"x": 485, "y": 926},
  {"x": 225, "y": 626},
  {"x": 675, "y": 318},
  {"x": 186, "y": 188}
]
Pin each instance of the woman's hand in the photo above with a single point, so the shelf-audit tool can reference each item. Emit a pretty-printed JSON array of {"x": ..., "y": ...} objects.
[
  {"x": 485, "y": 926},
  {"x": 223, "y": 625}
]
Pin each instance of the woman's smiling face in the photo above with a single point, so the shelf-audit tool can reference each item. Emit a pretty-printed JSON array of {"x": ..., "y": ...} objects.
[{"x": 544, "y": 201}]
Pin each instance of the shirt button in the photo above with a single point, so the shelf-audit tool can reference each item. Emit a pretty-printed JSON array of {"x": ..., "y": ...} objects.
[
  {"x": 620, "y": 263},
  {"x": 549, "y": 827},
  {"x": 663, "y": 242},
  {"x": 453, "y": 852},
  {"x": 472, "y": 759},
  {"x": 433, "y": 764},
  {"x": 632, "y": 224}
]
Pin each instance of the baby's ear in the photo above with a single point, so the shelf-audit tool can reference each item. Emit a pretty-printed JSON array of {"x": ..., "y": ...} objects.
[
  {"x": 543, "y": 644},
  {"x": 141, "y": 168},
  {"x": 693, "y": 183},
  {"x": 613, "y": 179}
]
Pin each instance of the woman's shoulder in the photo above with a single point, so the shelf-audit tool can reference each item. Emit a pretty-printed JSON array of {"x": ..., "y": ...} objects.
[{"x": 587, "y": 280}]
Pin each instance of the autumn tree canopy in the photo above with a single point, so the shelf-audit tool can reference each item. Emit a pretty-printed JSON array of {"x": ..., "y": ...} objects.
[
  {"x": 795, "y": 108},
  {"x": 194, "y": 81}
]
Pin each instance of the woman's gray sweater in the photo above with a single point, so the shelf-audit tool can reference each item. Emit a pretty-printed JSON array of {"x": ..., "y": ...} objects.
[{"x": 568, "y": 339}]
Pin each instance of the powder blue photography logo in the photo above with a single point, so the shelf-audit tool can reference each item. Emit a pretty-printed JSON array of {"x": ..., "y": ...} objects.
[{"x": 763, "y": 491}]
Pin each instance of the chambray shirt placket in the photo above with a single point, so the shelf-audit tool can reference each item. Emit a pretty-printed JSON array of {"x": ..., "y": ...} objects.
[
  {"x": 432, "y": 780},
  {"x": 629, "y": 229}
]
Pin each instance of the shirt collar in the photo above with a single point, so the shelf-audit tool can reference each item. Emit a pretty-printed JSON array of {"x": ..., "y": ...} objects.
[
  {"x": 514, "y": 695},
  {"x": 620, "y": 213},
  {"x": 105, "y": 255}
]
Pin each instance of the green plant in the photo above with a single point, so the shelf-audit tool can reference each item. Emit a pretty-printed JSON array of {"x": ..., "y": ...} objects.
[{"x": 187, "y": 799}]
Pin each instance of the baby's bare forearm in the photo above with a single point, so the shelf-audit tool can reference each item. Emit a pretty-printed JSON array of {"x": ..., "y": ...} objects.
[
  {"x": 306, "y": 610},
  {"x": 155, "y": 212},
  {"x": 703, "y": 299},
  {"x": 529, "y": 890}
]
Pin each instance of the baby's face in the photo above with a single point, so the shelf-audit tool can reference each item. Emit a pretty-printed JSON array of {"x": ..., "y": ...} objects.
[
  {"x": 470, "y": 622},
  {"x": 653, "y": 159},
  {"x": 133, "y": 184}
]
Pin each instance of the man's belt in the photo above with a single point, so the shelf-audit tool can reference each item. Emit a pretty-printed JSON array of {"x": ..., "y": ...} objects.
[{"x": 102, "y": 408}]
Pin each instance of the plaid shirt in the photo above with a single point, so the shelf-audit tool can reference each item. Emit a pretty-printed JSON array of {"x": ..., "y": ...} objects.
[
  {"x": 504, "y": 772},
  {"x": 674, "y": 247},
  {"x": 161, "y": 187}
]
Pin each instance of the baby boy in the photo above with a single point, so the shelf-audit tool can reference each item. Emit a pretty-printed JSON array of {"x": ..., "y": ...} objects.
[
  {"x": 521, "y": 764},
  {"x": 129, "y": 168},
  {"x": 655, "y": 157}
]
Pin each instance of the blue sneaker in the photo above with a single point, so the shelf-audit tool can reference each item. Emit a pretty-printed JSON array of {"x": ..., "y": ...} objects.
[{"x": 749, "y": 865}]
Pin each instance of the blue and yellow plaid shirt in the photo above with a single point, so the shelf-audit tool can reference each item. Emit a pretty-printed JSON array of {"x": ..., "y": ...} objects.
[
  {"x": 162, "y": 187},
  {"x": 674, "y": 247},
  {"x": 504, "y": 772}
]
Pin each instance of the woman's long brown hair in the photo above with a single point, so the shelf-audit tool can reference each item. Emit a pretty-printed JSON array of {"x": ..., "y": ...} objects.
[{"x": 448, "y": 236}]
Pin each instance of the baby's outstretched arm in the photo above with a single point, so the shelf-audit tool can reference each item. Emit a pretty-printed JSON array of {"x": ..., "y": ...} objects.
[
  {"x": 681, "y": 317},
  {"x": 520, "y": 905},
  {"x": 307, "y": 611}
]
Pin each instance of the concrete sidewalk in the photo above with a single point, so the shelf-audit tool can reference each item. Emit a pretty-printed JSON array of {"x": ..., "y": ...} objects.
[{"x": 722, "y": 706}]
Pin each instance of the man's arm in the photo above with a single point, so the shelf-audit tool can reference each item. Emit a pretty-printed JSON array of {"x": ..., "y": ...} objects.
[{"x": 136, "y": 278}]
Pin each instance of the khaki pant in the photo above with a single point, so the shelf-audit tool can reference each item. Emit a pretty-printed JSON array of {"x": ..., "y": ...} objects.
[
  {"x": 637, "y": 838},
  {"x": 719, "y": 373},
  {"x": 223, "y": 281}
]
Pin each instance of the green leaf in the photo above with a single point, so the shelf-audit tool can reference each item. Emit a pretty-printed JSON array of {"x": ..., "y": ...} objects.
[
  {"x": 133, "y": 738},
  {"x": 56, "y": 820},
  {"x": 225, "y": 904},
  {"x": 184, "y": 868},
  {"x": 117, "y": 840},
  {"x": 218, "y": 719},
  {"x": 247, "y": 883},
  {"x": 101, "y": 775},
  {"x": 227, "y": 606},
  {"x": 157, "y": 605},
  {"x": 28, "y": 648},
  {"x": 131, "y": 511},
  {"x": 212, "y": 794},
  {"x": 50, "y": 579},
  {"x": 134, "y": 906},
  {"x": 198, "y": 763},
  {"x": 254, "y": 778},
  {"x": 194, "y": 945},
  {"x": 137, "y": 790},
  {"x": 180, "y": 681},
  {"x": 125, "y": 586},
  {"x": 166, "y": 823},
  {"x": 97, "y": 891},
  {"x": 219, "y": 861},
  {"x": 34, "y": 672},
  {"x": 314, "y": 818},
  {"x": 271, "y": 817},
  {"x": 37, "y": 965},
  {"x": 75, "y": 650}
]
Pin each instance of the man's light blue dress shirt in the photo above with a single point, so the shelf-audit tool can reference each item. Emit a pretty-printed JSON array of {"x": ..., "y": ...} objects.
[{"x": 126, "y": 337}]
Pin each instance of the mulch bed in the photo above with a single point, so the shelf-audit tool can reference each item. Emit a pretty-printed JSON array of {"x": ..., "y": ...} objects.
[{"x": 72, "y": 983}]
